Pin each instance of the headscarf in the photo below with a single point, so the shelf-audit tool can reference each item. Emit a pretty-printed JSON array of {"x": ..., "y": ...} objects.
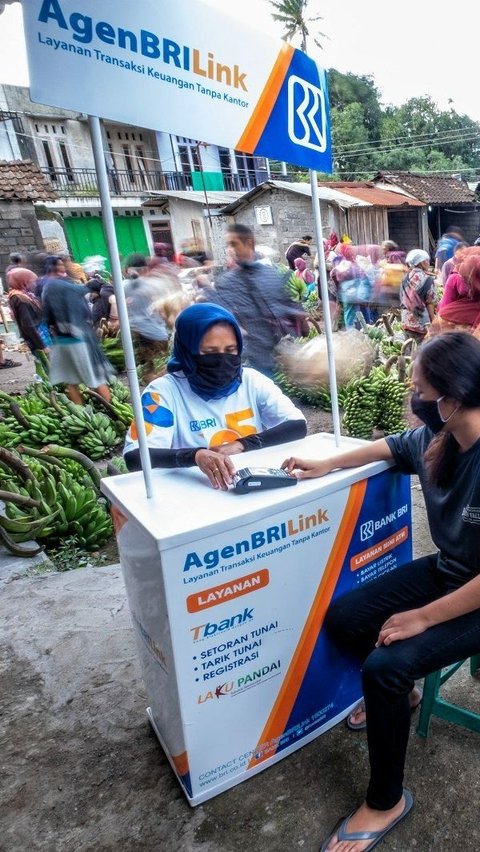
[
  {"x": 469, "y": 269},
  {"x": 299, "y": 264},
  {"x": 19, "y": 281},
  {"x": 20, "y": 278},
  {"x": 190, "y": 327},
  {"x": 416, "y": 256}
]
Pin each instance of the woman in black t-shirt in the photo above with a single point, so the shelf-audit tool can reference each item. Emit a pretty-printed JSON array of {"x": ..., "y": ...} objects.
[{"x": 427, "y": 614}]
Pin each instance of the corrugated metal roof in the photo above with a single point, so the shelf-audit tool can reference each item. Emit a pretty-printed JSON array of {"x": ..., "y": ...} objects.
[
  {"x": 431, "y": 189},
  {"x": 325, "y": 193},
  {"x": 217, "y": 199},
  {"x": 378, "y": 197},
  {"x": 22, "y": 180}
]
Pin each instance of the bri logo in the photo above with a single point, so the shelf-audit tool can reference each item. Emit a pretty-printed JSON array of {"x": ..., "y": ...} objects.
[
  {"x": 370, "y": 527},
  {"x": 366, "y": 531},
  {"x": 199, "y": 425},
  {"x": 307, "y": 115}
]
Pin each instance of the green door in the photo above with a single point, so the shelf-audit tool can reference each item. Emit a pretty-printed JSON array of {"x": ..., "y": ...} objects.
[
  {"x": 86, "y": 236},
  {"x": 131, "y": 236}
]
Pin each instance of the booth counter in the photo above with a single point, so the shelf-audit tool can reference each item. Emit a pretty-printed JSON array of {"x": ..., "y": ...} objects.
[{"x": 228, "y": 593}]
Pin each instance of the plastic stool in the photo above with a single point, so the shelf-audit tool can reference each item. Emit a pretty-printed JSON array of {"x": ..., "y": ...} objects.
[{"x": 433, "y": 705}]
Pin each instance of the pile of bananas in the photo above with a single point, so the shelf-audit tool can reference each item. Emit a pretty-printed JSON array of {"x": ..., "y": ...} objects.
[
  {"x": 375, "y": 401},
  {"x": 48, "y": 497},
  {"x": 112, "y": 348},
  {"x": 360, "y": 410},
  {"x": 391, "y": 346},
  {"x": 316, "y": 396},
  {"x": 44, "y": 416}
]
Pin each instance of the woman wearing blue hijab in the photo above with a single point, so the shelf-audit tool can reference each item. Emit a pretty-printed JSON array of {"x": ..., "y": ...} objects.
[{"x": 208, "y": 407}]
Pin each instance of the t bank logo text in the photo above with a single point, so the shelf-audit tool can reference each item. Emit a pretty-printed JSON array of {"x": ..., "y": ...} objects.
[{"x": 211, "y": 628}]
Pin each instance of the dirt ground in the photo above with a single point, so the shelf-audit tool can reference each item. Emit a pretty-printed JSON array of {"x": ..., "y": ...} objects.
[{"x": 82, "y": 771}]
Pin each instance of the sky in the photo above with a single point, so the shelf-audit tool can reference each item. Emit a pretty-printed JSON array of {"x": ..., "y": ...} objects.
[{"x": 411, "y": 48}]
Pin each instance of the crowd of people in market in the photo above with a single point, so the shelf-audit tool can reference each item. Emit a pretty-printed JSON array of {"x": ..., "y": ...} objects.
[
  {"x": 58, "y": 303},
  {"x": 205, "y": 339}
]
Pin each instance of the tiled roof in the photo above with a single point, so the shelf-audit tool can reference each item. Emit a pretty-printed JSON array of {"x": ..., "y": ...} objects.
[
  {"x": 431, "y": 189},
  {"x": 378, "y": 197},
  {"x": 22, "y": 180}
]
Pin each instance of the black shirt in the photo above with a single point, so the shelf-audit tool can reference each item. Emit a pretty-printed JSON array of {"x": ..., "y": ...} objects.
[{"x": 454, "y": 510}]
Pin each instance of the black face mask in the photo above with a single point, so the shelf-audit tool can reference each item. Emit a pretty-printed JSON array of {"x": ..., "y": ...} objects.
[
  {"x": 427, "y": 411},
  {"x": 217, "y": 370}
]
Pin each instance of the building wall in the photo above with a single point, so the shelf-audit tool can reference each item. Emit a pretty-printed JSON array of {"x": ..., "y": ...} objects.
[
  {"x": 404, "y": 228},
  {"x": 19, "y": 230},
  {"x": 74, "y": 134},
  {"x": 141, "y": 145},
  {"x": 367, "y": 225},
  {"x": 187, "y": 222},
  {"x": 292, "y": 216},
  {"x": 467, "y": 220}
]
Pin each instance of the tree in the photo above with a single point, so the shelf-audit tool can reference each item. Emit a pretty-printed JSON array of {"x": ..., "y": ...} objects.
[
  {"x": 291, "y": 14},
  {"x": 349, "y": 131},
  {"x": 345, "y": 89}
]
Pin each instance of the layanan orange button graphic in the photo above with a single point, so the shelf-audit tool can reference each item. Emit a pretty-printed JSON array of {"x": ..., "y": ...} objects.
[
  {"x": 228, "y": 591},
  {"x": 378, "y": 549}
]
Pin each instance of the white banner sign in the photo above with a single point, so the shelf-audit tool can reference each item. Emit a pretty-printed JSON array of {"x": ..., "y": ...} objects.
[{"x": 180, "y": 67}]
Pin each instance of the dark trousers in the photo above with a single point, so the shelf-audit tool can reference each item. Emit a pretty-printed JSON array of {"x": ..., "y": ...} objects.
[{"x": 389, "y": 672}]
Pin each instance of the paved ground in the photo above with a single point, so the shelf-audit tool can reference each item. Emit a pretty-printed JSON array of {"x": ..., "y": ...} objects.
[{"x": 81, "y": 770}]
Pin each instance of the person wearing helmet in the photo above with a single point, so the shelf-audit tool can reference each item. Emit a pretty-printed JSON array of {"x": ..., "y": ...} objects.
[{"x": 417, "y": 294}]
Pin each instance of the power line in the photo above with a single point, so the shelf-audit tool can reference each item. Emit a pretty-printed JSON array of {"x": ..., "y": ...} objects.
[
  {"x": 389, "y": 149},
  {"x": 457, "y": 135},
  {"x": 408, "y": 136},
  {"x": 390, "y": 144}
]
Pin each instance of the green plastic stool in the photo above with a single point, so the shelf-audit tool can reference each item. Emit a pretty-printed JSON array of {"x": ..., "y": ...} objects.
[{"x": 433, "y": 705}]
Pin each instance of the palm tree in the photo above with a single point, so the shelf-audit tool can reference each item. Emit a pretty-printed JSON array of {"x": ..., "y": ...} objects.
[{"x": 291, "y": 13}]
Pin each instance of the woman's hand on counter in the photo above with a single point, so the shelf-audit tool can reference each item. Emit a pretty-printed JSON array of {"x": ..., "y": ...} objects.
[
  {"x": 217, "y": 467},
  {"x": 307, "y": 468}
]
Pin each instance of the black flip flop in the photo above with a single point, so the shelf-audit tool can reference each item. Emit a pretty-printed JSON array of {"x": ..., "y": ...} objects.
[
  {"x": 361, "y": 726},
  {"x": 375, "y": 836}
]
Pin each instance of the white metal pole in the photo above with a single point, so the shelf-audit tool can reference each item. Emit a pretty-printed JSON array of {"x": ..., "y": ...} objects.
[
  {"x": 111, "y": 236},
  {"x": 327, "y": 320}
]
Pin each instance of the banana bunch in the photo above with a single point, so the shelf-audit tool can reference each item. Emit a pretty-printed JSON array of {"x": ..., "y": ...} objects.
[
  {"x": 56, "y": 505},
  {"x": 9, "y": 436},
  {"x": 98, "y": 444},
  {"x": 390, "y": 346},
  {"x": 317, "y": 396},
  {"x": 360, "y": 409},
  {"x": 124, "y": 411},
  {"x": 43, "y": 429},
  {"x": 375, "y": 333},
  {"x": 45, "y": 416},
  {"x": 391, "y": 404},
  {"x": 375, "y": 401},
  {"x": 92, "y": 430},
  {"x": 112, "y": 348},
  {"x": 119, "y": 391}
]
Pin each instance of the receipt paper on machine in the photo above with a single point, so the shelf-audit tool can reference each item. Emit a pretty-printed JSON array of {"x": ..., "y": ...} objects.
[{"x": 259, "y": 478}]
